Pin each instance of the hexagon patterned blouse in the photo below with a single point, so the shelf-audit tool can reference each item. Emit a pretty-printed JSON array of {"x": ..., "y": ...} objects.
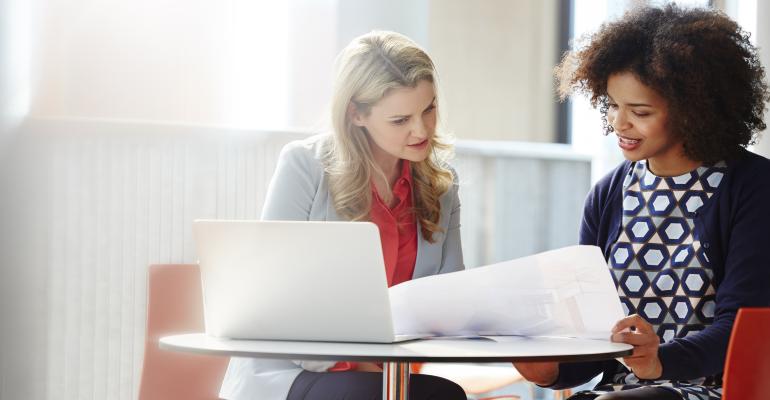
[{"x": 658, "y": 263}]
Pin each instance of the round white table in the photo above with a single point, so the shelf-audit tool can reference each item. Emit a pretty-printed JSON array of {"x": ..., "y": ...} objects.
[{"x": 396, "y": 357}]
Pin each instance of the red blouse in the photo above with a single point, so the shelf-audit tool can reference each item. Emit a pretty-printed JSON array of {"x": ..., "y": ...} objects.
[
  {"x": 398, "y": 228},
  {"x": 398, "y": 234}
]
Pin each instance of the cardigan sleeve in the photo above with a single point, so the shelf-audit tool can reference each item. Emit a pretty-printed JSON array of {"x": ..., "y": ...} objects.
[
  {"x": 589, "y": 225},
  {"x": 746, "y": 278}
]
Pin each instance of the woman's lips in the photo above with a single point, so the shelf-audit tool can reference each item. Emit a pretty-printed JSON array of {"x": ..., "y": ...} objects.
[
  {"x": 419, "y": 145},
  {"x": 627, "y": 143}
]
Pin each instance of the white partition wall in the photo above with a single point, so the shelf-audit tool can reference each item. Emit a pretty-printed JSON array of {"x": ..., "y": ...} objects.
[
  {"x": 87, "y": 206},
  {"x": 519, "y": 198}
]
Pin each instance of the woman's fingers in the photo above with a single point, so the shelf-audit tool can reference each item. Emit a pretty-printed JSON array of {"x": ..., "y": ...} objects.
[
  {"x": 633, "y": 322},
  {"x": 633, "y": 338}
]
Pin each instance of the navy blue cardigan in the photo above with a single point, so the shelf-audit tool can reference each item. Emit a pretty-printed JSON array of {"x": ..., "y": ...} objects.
[{"x": 734, "y": 230}]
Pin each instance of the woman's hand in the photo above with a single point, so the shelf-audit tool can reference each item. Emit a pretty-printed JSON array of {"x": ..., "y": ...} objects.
[
  {"x": 634, "y": 330},
  {"x": 542, "y": 373},
  {"x": 367, "y": 367}
]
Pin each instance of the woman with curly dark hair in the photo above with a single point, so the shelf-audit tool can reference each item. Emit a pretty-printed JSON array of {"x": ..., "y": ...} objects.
[{"x": 683, "y": 222}]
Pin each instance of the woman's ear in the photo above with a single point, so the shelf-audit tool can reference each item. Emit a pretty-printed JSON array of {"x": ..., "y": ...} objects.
[{"x": 355, "y": 117}]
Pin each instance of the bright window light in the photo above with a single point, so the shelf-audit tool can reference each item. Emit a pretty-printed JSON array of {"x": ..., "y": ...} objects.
[
  {"x": 256, "y": 67},
  {"x": 15, "y": 42}
]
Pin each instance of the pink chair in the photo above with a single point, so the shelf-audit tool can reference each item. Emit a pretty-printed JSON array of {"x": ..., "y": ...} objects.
[
  {"x": 175, "y": 306},
  {"x": 747, "y": 366}
]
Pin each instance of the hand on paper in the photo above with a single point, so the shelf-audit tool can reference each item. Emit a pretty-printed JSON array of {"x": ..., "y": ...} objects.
[
  {"x": 543, "y": 373},
  {"x": 634, "y": 330}
]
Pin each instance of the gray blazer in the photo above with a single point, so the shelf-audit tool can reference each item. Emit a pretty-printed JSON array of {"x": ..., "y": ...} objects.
[{"x": 299, "y": 191}]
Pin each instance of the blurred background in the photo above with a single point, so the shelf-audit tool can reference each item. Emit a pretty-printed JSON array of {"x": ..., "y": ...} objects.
[{"x": 122, "y": 121}]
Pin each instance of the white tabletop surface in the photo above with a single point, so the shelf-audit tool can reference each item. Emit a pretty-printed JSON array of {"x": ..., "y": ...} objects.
[{"x": 505, "y": 348}]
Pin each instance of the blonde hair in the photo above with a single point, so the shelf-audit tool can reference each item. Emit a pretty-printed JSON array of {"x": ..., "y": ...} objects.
[{"x": 367, "y": 69}]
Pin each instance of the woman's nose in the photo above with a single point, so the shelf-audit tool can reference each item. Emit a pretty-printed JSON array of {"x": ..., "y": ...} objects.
[
  {"x": 619, "y": 121},
  {"x": 420, "y": 129}
]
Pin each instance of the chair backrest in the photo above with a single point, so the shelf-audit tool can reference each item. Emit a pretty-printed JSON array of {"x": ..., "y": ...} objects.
[
  {"x": 747, "y": 366},
  {"x": 175, "y": 306}
]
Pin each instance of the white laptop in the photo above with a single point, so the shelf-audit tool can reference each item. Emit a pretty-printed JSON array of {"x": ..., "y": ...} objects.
[{"x": 282, "y": 280}]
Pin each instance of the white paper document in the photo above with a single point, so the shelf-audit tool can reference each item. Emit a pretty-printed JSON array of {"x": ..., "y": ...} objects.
[{"x": 564, "y": 292}]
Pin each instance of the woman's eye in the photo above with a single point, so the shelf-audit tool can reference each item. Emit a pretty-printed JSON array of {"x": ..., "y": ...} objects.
[
  {"x": 429, "y": 110},
  {"x": 399, "y": 121},
  {"x": 613, "y": 106},
  {"x": 641, "y": 114}
]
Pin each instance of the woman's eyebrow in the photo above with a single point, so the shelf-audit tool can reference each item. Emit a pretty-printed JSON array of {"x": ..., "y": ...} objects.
[
  {"x": 432, "y": 103},
  {"x": 630, "y": 104},
  {"x": 404, "y": 116}
]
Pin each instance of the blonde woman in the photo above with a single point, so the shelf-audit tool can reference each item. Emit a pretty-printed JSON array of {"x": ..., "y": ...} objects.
[{"x": 385, "y": 163}]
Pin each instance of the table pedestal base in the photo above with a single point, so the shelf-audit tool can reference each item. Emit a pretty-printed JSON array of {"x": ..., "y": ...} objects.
[{"x": 395, "y": 380}]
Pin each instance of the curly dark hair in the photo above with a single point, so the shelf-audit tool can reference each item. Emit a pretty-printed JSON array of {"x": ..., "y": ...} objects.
[{"x": 699, "y": 60}]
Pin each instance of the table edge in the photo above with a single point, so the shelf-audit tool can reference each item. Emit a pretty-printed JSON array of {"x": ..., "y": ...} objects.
[{"x": 314, "y": 357}]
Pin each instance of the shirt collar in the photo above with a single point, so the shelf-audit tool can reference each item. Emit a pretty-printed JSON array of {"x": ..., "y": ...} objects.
[
  {"x": 403, "y": 185},
  {"x": 402, "y": 188},
  {"x": 406, "y": 171}
]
